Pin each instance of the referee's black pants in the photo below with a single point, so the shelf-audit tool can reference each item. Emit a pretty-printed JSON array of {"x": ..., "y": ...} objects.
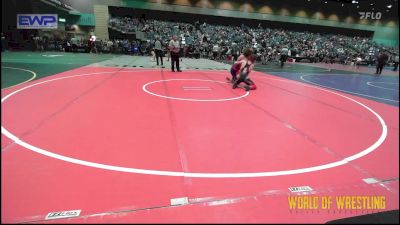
[
  {"x": 174, "y": 60},
  {"x": 159, "y": 55}
]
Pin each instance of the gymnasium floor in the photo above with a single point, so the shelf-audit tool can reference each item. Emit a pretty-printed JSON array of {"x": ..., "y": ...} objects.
[{"x": 124, "y": 141}]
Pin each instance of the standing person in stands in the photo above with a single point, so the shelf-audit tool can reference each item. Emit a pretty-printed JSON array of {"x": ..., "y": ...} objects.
[
  {"x": 215, "y": 50},
  {"x": 3, "y": 42},
  {"x": 140, "y": 48},
  {"x": 158, "y": 51},
  {"x": 284, "y": 55},
  {"x": 74, "y": 44},
  {"x": 92, "y": 44},
  {"x": 382, "y": 59},
  {"x": 358, "y": 61},
  {"x": 174, "y": 47},
  {"x": 396, "y": 62},
  {"x": 168, "y": 54}
]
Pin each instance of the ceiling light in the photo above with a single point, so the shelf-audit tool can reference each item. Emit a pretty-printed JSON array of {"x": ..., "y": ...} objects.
[{"x": 389, "y": 6}]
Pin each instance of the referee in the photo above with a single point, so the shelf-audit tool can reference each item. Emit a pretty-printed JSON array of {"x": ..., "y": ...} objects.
[
  {"x": 174, "y": 48},
  {"x": 382, "y": 59}
]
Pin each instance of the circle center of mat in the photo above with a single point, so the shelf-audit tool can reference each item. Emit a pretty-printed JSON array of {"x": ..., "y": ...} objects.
[{"x": 201, "y": 88}]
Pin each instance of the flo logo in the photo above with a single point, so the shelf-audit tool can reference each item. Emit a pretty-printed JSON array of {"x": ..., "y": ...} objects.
[{"x": 372, "y": 15}]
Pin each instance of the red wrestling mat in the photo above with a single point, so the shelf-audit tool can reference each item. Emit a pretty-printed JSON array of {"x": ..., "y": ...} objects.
[{"x": 113, "y": 142}]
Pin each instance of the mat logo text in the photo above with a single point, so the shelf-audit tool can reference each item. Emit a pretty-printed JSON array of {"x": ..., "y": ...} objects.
[
  {"x": 36, "y": 21},
  {"x": 63, "y": 214}
]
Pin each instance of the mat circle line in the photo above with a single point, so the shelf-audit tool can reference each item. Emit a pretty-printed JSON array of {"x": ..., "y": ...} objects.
[
  {"x": 346, "y": 160},
  {"x": 144, "y": 88},
  {"x": 16, "y": 68},
  {"x": 370, "y": 84},
  {"x": 337, "y": 89}
]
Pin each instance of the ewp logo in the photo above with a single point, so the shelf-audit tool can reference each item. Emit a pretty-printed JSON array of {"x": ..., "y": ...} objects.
[{"x": 37, "y": 21}]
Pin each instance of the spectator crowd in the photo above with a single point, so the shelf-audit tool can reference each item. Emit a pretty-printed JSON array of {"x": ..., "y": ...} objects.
[{"x": 218, "y": 42}]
